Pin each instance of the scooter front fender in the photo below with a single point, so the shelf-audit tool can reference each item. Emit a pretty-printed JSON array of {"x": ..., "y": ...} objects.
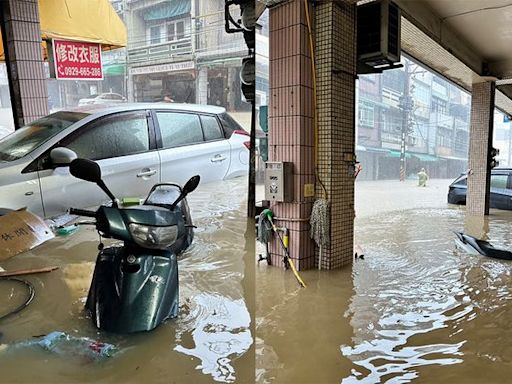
[{"x": 133, "y": 297}]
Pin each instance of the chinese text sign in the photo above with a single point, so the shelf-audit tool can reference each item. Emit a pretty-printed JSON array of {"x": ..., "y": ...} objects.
[{"x": 77, "y": 60}]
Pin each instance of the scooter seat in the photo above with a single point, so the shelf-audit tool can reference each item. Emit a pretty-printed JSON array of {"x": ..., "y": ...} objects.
[{"x": 148, "y": 207}]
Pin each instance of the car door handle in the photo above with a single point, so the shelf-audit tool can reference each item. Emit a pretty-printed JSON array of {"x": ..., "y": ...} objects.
[
  {"x": 217, "y": 158},
  {"x": 146, "y": 172}
]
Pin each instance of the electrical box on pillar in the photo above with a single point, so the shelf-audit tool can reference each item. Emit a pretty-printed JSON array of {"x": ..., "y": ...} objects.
[
  {"x": 493, "y": 163},
  {"x": 279, "y": 181}
]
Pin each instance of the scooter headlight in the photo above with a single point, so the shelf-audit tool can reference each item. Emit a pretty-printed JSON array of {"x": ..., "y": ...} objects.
[{"x": 148, "y": 236}]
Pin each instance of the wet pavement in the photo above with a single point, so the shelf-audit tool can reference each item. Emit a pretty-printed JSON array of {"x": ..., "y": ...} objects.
[
  {"x": 414, "y": 310},
  {"x": 210, "y": 341}
]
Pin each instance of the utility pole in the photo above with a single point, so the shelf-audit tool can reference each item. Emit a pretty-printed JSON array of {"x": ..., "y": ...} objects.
[
  {"x": 406, "y": 105},
  {"x": 509, "y": 144}
]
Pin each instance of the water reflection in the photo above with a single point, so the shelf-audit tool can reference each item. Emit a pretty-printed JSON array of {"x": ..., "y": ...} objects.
[
  {"x": 220, "y": 332},
  {"x": 417, "y": 301}
]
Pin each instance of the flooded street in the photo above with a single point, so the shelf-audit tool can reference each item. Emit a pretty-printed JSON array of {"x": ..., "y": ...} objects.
[
  {"x": 210, "y": 341},
  {"x": 415, "y": 309}
]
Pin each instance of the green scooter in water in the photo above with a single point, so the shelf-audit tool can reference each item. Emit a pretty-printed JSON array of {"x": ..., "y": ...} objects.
[{"x": 135, "y": 286}]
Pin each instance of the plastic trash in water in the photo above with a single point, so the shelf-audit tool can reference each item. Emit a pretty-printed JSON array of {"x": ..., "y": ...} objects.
[
  {"x": 69, "y": 346},
  {"x": 67, "y": 230}
]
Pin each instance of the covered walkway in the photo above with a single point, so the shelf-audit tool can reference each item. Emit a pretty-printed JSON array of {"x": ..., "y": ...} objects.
[{"x": 311, "y": 114}]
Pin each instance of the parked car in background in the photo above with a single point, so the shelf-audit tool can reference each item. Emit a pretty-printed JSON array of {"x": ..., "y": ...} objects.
[
  {"x": 501, "y": 189},
  {"x": 104, "y": 98},
  {"x": 136, "y": 146}
]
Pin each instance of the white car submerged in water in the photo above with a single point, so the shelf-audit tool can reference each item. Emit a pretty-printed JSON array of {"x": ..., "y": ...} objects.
[{"x": 136, "y": 146}]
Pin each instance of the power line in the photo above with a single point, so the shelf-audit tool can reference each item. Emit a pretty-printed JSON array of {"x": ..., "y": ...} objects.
[{"x": 477, "y": 10}]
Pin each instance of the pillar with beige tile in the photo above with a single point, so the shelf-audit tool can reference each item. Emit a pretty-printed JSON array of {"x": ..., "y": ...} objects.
[
  {"x": 480, "y": 144},
  {"x": 336, "y": 76}
]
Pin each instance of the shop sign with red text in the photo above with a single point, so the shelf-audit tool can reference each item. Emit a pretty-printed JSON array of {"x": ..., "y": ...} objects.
[{"x": 75, "y": 60}]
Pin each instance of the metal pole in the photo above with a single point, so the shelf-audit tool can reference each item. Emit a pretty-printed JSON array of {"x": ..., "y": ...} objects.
[
  {"x": 509, "y": 143},
  {"x": 405, "y": 120}
]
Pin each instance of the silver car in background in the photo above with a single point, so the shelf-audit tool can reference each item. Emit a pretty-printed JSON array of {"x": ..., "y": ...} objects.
[
  {"x": 104, "y": 98},
  {"x": 136, "y": 146}
]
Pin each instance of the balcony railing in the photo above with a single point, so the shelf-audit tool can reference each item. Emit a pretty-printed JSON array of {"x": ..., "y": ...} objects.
[
  {"x": 202, "y": 44},
  {"x": 167, "y": 50},
  {"x": 216, "y": 42},
  {"x": 441, "y": 120}
]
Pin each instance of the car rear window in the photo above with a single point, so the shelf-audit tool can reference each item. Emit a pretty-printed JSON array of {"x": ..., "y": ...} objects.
[
  {"x": 229, "y": 125},
  {"x": 24, "y": 140}
]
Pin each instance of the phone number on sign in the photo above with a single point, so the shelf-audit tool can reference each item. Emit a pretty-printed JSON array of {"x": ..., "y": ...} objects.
[{"x": 86, "y": 72}]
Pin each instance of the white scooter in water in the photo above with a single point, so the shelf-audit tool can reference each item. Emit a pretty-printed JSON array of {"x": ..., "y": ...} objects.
[{"x": 473, "y": 246}]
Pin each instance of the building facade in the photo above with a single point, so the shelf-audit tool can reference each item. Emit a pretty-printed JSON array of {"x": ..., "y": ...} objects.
[
  {"x": 180, "y": 48},
  {"x": 415, "y": 105}
]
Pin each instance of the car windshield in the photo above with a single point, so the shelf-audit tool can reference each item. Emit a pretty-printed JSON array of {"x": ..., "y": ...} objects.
[
  {"x": 26, "y": 139},
  {"x": 461, "y": 180}
]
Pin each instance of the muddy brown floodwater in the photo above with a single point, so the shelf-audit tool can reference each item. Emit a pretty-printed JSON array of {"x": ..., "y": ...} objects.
[
  {"x": 414, "y": 310},
  {"x": 211, "y": 340}
]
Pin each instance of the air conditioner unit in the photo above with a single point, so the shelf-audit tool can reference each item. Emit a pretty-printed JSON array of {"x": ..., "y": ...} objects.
[
  {"x": 378, "y": 33},
  {"x": 118, "y": 6}
]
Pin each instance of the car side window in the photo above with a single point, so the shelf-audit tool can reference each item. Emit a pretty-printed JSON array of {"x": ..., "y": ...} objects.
[
  {"x": 211, "y": 128},
  {"x": 114, "y": 136},
  {"x": 179, "y": 129},
  {"x": 499, "y": 181}
]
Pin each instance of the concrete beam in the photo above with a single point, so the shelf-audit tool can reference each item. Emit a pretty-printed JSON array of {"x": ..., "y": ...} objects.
[
  {"x": 428, "y": 22},
  {"x": 502, "y": 69}
]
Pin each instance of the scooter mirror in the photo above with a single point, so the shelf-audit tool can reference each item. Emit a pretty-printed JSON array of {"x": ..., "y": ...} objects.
[
  {"x": 191, "y": 184},
  {"x": 85, "y": 169}
]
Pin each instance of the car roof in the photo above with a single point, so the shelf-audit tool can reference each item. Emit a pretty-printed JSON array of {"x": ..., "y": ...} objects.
[{"x": 126, "y": 107}]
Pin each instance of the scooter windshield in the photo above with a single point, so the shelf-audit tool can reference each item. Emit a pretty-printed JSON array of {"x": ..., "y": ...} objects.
[{"x": 164, "y": 194}]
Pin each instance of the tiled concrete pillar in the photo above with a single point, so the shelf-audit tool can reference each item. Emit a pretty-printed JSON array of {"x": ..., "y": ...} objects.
[
  {"x": 21, "y": 33},
  {"x": 480, "y": 144},
  {"x": 290, "y": 124},
  {"x": 202, "y": 85},
  {"x": 336, "y": 73}
]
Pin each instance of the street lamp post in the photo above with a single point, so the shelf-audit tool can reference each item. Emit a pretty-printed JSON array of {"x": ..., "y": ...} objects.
[{"x": 406, "y": 105}]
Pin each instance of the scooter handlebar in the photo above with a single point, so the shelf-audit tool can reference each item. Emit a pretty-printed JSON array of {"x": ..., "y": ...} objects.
[{"x": 81, "y": 212}]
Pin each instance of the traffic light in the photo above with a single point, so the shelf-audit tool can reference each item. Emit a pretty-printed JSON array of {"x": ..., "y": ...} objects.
[
  {"x": 247, "y": 25},
  {"x": 263, "y": 145},
  {"x": 492, "y": 158},
  {"x": 248, "y": 78}
]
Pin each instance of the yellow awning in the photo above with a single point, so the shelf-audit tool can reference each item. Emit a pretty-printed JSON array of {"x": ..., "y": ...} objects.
[{"x": 94, "y": 21}]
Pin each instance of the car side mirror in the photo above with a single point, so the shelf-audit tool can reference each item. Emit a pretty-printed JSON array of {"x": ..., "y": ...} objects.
[
  {"x": 62, "y": 156},
  {"x": 89, "y": 170},
  {"x": 85, "y": 169}
]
